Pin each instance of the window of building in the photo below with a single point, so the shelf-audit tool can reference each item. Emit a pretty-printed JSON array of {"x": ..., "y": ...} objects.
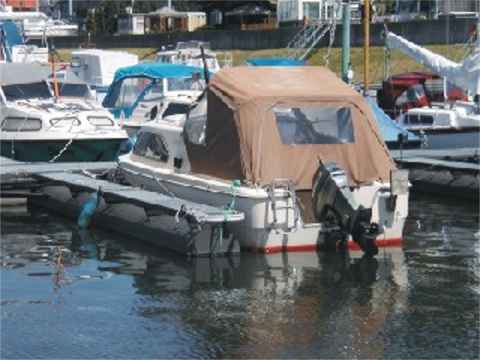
[{"x": 311, "y": 10}]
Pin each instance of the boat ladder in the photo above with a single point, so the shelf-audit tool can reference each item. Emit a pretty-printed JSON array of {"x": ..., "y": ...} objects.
[{"x": 291, "y": 203}]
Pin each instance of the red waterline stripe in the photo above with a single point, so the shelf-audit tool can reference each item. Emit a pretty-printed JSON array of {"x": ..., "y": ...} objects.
[{"x": 393, "y": 242}]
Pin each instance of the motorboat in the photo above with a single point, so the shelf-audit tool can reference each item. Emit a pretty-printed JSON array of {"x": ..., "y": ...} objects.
[
  {"x": 298, "y": 159},
  {"x": 190, "y": 53},
  {"x": 151, "y": 91},
  {"x": 444, "y": 126},
  {"x": 97, "y": 67},
  {"x": 35, "y": 125}
]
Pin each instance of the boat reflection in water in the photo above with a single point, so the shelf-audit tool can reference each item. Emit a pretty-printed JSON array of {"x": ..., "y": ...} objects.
[{"x": 273, "y": 305}]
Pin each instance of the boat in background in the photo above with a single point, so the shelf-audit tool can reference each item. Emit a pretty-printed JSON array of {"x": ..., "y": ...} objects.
[
  {"x": 37, "y": 25},
  {"x": 452, "y": 124},
  {"x": 97, "y": 67},
  {"x": 444, "y": 126},
  {"x": 152, "y": 91},
  {"x": 297, "y": 159},
  {"x": 37, "y": 126},
  {"x": 13, "y": 48},
  {"x": 190, "y": 53}
]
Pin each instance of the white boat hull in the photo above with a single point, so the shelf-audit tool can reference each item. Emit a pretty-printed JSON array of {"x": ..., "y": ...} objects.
[{"x": 258, "y": 232}]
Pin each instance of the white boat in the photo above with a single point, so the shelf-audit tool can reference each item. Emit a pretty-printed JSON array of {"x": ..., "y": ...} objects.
[
  {"x": 190, "y": 53},
  {"x": 449, "y": 125},
  {"x": 37, "y": 25},
  {"x": 150, "y": 91},
  {"x": 257, "y": 149},
  {"x": 36, "y": 126},
  {"x": 97, "y": 67},
  {"x": 455, "y": 125}
]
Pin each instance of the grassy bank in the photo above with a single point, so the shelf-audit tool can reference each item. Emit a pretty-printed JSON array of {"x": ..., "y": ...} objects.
[{"x": 398, "y": 62}]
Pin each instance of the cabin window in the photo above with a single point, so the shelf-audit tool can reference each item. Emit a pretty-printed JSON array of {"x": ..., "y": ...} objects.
[
  {"x": 176, "y": 108},
  {"x": 426, "y": 119},
  {"x": 21, "y": 124},
  {"x": 411, "y": 119},
  {"x": 314, "y": 125},
  {"x": 100, "y": 121},
  {"x": 65, "y": 122},
  {"x": 179, "y": 84},
  {"x": 151, "y": 146},
  {"x": 73, "y": 90}
]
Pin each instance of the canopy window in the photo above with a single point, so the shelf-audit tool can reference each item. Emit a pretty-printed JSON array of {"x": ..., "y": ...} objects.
[{"x": 314, "y": 125}]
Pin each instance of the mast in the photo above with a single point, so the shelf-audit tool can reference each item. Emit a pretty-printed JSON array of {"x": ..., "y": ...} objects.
[
  {"x": 345, "y": 41},
  {"x": 366, "y": 31}
]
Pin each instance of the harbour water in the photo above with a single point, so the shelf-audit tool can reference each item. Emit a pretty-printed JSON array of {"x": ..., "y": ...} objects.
[{"x": 67, "y": 293}]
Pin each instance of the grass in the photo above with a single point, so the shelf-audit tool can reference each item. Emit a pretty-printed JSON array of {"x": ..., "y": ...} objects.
[{"x": 398, "y": 62}]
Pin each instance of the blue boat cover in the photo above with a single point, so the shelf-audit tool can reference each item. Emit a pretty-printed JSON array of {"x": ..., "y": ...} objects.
[
  {"x": 156, "y": 71},
  {"x": 10, "y": 36},
  {"x": 144, "y": 70},
  {"x": 279, "y": 61},
  {"x": 388, "y": 128}
]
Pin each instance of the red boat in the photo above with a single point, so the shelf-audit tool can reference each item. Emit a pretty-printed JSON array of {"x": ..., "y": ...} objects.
[{"x": 413, "y": 89}]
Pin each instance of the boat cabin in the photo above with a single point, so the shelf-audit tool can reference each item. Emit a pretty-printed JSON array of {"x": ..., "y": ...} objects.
[
  {"x": 259, "y": 119},
  {"x": 151, "y": 91}
]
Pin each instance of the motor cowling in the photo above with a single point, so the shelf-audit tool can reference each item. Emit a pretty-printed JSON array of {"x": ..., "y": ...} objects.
[{"x": 335, "y": 207}]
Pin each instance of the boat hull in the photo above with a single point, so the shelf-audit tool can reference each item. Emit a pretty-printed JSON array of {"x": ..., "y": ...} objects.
[
  {"x": 46, "y": 150},
  {"x": 258, "y": 232},
  {"x": 450, "y": 138}
]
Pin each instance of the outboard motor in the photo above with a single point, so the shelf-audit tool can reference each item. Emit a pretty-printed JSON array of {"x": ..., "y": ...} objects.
[{"x": 334, "y": 205}]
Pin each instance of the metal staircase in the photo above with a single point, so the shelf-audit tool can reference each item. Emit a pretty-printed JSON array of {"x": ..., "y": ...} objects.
[{"x": 306, "y": 39}]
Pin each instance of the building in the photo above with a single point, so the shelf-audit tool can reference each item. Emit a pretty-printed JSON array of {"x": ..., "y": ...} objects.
[
  {"x": 294, "y": 11},
  {"x": 23, "y": 5},
  {"x": 434, "y": 8},
  {"x": 160, "y": 21}
]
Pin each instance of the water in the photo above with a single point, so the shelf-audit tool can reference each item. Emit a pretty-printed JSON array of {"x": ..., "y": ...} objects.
[{"x": 102, "y": 296}]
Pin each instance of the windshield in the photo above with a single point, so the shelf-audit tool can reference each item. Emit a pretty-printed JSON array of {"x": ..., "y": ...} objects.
[
  {"x": 73, "y": 90},
  {"x": 178, "y": 84},
  {"x": 37, "y": 90},
  {"x": 130, "y": 90}
]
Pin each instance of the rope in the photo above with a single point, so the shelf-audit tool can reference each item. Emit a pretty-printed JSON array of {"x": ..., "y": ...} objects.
[
  {"x": 67, "y": 145},
  {"x": 12, "y": 145}
]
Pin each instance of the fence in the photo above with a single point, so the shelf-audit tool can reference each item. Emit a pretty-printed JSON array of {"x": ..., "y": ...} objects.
[{"x": 422, "y": 32}]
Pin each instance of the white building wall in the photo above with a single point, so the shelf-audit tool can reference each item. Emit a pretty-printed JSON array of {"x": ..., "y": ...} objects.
[{"x": 298, "y": 10}]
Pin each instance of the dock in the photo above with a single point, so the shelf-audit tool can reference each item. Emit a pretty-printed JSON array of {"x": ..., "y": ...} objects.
[
  {"x": 454, "y": 172},
  {"x": 164, "y": 220}
]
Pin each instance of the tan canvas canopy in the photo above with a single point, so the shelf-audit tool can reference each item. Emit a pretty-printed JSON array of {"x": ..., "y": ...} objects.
[{"x": 268, "y": 123}]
